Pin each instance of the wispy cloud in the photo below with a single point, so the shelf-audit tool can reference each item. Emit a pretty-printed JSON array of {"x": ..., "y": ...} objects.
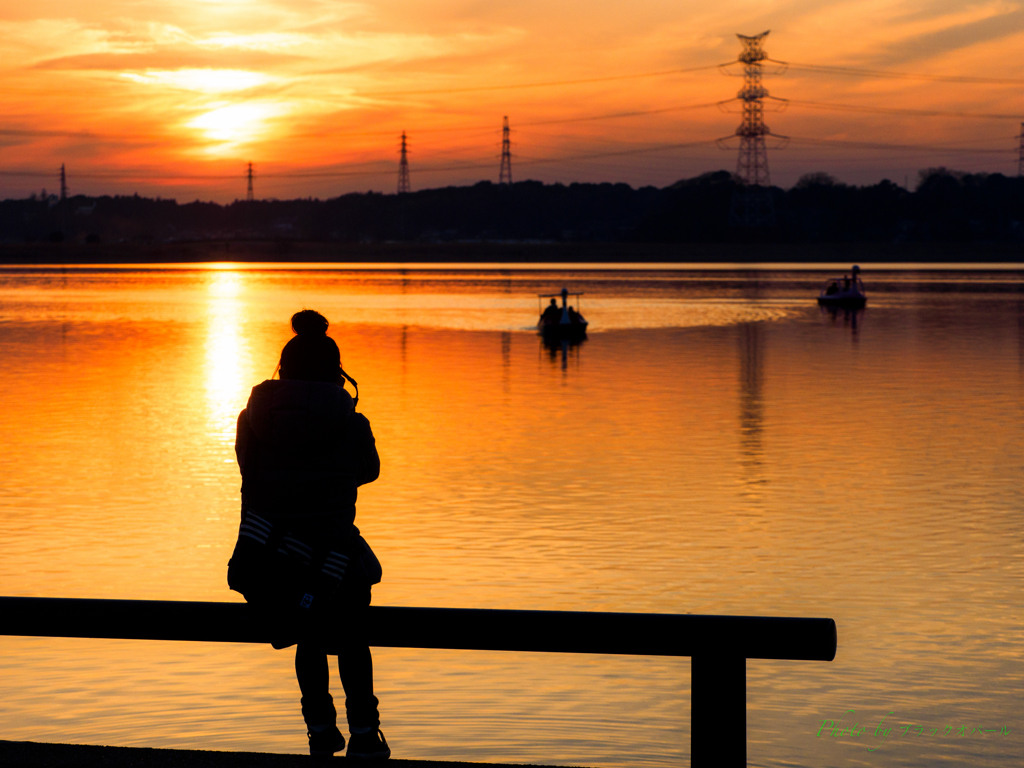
[
  {"x": 202, "y": 80},
  {"x": 169, "y": 59},
  {"x": 952, "y": 38}
]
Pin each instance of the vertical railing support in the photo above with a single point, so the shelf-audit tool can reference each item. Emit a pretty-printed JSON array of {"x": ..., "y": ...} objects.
[{"x": 718, "y": 711}]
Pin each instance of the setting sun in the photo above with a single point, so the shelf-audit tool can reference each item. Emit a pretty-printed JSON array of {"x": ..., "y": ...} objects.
[{"x": 233, "y": 124}]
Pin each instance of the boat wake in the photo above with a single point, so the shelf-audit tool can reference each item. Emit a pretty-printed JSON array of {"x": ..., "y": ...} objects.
[{"x": 490, "y": 313}]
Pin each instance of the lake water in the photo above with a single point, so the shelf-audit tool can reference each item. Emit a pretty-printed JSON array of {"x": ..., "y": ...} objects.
[{"x": 717, "y": 445}]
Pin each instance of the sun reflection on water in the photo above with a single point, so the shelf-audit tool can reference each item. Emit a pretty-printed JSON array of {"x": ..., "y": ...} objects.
[{"x": 226, "y": 352}]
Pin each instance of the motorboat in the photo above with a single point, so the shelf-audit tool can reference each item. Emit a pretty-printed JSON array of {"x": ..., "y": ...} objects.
[
  {"x": 564, "y": 322},
  {"x": 846, "y": 292}
]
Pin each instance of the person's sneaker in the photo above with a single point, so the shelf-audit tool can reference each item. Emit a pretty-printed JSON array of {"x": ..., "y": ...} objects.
[
  {"x": 368, "y": 746},
  {"x": 326, "y": 742}
]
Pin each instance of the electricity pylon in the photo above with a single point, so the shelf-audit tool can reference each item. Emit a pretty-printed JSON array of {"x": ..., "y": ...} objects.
[
  {"x": 63, "y": 184},
  {"x": 403, "y": 168},
  {"x": 752, "y": 206},
  {"x": 505, "y": 174},
  {"x": 1020, "y": 153},
  {"x": 752, "y": 163},
  {"x": 248, "y": 186}
]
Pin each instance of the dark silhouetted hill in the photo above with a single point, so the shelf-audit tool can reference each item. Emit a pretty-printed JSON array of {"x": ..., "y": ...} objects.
[{"x": 946, "y": 206}]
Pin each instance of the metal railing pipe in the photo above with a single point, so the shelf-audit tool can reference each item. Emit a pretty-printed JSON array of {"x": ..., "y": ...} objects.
[
  {"x": 718, "y": 645},
  {"x": 638, "y": 634}
]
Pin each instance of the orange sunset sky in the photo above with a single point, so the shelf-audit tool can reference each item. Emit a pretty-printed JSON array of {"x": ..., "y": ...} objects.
[{"x": 173, "y": 98}]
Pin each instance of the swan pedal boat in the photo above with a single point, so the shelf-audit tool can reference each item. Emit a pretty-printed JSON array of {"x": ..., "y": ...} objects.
[
  {"x": 844, "y": 292},
  {"x": 564, "y": 322}
]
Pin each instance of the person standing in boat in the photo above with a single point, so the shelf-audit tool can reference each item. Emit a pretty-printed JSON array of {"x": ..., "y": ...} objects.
[{"x": 303, "y": 451}]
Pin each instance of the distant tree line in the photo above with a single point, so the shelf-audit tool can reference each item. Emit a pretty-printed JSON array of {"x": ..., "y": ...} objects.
[{"x": 946, "y": 206}]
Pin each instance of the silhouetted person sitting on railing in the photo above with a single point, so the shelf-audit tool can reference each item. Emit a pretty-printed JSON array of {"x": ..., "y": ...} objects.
[{"x": 303, "y": 451}]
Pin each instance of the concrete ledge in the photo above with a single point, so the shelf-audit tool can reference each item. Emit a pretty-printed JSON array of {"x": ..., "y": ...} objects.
[{"x": 29, "y": 754}]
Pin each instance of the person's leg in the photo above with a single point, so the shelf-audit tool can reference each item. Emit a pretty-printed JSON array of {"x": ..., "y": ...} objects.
[
  {"x": 356, "y": 667},
  {"x": 314, "y": 682},
  {"x": 317, "y": 705}
]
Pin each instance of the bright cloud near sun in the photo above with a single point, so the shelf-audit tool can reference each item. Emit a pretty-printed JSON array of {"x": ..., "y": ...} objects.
[
  {"x": 202, "y": 80},
  {"x": 264, "y": 41}
]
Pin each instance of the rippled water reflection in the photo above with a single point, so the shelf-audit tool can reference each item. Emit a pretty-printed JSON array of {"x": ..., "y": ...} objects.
[{"x": 718, "y": 445}]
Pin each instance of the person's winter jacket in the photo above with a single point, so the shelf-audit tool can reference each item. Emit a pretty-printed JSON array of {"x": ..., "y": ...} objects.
[{"x": 303, "y": 451}]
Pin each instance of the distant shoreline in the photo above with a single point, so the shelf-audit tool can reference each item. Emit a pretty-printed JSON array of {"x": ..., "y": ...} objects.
[{"x": 496, "y": 253}]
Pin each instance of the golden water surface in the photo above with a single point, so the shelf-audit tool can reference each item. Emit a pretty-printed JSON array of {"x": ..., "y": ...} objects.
[{"x": 717, "y": 445}]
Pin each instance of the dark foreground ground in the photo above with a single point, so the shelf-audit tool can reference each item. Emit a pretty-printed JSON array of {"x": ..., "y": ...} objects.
[
  {"x": 505, "y": 252},
  {"x": 29, "y": 754}
]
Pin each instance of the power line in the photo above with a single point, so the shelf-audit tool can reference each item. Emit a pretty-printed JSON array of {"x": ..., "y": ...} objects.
[
  {"x": 904, "y": 110},
  {"x": 34, "y": 132},
  {"x": 816, "y": 68},
  {"x": 226, "y": 177},
  {"x": 557, "y": 121},
  {"x": 619, "y": 153},
  {"x": 536, "y": 123},
  {"x": 383, "y": 171},
  {"x": 801, "y": 66},
  {"x": 617, "y": 115},
  {"x": 489, "y": 129},
  {"x": 547, "y": 84},
  {"x": 476, "y": 165},
  {"x": 829, "y": 69},
  {"x": 900, "y": 147},
  {"x": 391, "y": 131},
  {"x": 130, "y": 176}
]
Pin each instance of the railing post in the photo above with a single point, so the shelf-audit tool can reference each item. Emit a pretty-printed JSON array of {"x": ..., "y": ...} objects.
[{"x": 718, "y": 711}]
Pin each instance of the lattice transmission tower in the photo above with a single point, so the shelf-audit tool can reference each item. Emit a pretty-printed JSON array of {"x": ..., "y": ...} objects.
[
  {"x": 1020, "y": 152},
  {"x": 752, "y": 206},
  {"x": 752, "y": 163},
  {"x": 403, "y": 168},
  {"x": 248, "y": 185},
  {"x": 505, "y": 174},
  {"x": 63, "y": 184}
]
